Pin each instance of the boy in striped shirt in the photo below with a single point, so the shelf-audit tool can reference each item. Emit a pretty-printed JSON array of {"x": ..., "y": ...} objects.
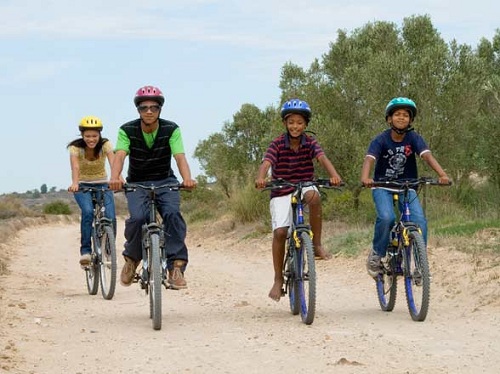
[{"x": 291, "y": 157}]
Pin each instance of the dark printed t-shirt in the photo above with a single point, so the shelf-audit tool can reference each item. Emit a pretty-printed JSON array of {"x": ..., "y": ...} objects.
[{"x": 396, "y": 160}]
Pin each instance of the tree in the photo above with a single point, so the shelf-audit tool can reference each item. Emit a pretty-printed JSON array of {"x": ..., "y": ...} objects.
[
  {"x": 43, "y": 189},
  {"x": 456, "y": 89},
  {"x": 232, "y": 156}
]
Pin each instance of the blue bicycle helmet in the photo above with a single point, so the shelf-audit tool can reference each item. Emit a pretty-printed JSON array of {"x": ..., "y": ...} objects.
[
  {"x": 401, "y": 103},
  {"x": 296, "y": 106}
]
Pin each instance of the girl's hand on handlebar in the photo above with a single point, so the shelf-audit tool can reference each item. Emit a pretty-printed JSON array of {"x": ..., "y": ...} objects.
[{"x": 73, "y": 187}]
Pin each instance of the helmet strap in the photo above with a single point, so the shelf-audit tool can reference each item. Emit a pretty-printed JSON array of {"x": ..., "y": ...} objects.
[{"x": 402, "y": 131}]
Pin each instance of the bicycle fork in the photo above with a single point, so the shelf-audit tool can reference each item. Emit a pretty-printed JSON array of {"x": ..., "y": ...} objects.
[{"x": 147, "y": 231}]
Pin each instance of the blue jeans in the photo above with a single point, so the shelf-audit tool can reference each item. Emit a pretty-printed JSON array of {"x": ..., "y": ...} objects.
[
  {"x": 84, "y": 201},
  {"x": 168, "y": 204},
  {"x": 386, "y": 217}
]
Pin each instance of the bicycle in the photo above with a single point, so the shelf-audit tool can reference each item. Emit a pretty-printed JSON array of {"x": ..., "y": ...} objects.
[
  {"x": 299, "y": 269},
  {"x": 406, "y": 254},
  {"x": 102, "y": 267},
  {"x": 153, "y": 272}
]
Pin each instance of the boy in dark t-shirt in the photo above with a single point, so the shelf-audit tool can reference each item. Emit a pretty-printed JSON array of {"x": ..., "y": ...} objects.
[{"x": 393, "y": 152}]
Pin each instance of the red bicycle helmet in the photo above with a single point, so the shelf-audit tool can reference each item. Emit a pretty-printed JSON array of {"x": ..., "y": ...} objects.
[{"x": 149, "y": 93}]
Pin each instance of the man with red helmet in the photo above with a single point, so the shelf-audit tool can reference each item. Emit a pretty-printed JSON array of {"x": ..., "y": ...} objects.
[{"x": 150, "y": 142}]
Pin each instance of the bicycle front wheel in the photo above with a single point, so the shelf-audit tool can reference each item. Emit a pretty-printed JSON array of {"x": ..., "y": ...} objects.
[
  {"x": 155, "y": 278},
  {"x": 387, "y": 285},
  {"x": 108, "y": 263},
  {"x": 92, "y": 270},
  {"x": 417, "y": 277},
  {"x": 306, "y": 278}
]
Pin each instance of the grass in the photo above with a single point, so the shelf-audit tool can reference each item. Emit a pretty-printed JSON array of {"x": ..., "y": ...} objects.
[{"x": 468, "y": 228}]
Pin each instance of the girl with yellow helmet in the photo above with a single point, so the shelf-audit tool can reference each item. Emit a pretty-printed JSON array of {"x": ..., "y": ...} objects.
[{"x": 88, "y": 156}]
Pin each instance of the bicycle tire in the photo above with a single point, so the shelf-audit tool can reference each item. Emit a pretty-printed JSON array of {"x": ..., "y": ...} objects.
[
  {"x": 92, "y": 270},
  {"x": 417, "y": 277},
  {"x": 291, "y": 279},
  {"x": 387, "y": 286},
  {"x": 155, "y": 283},
  {"x": 306, "y": 278},
  {"x": 107, "y": 272}
]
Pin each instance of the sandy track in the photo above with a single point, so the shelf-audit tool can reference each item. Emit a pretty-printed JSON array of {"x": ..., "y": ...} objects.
[{"x": 225, "y": 323}]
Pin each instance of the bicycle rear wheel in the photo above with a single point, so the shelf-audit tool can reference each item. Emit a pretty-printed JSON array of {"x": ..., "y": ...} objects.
[
  {"x": 92, "y": 270},
  {"x": 290, "y": 276},
  {"x": 306, "y": 278},
  {"x": 387, "y": 286},
  {"x": 155, "y": 281},
  {"x": 108, "y": 263},
  {"x": 417, "y": 277}
]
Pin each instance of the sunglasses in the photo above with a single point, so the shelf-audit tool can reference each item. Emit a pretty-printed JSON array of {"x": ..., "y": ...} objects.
[{"x": 152, "y": 108}]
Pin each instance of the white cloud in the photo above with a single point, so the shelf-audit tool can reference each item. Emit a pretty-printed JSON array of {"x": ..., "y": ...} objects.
[{"x": 257, "y": 23}]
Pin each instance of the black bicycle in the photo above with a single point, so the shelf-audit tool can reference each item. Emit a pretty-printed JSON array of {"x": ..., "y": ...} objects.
[
  {"x": 406, "y": 255},
  {"x": 102, "y": 267},
  {"x": 153, "y": 272},
  {"x": 299, "y": 270}
]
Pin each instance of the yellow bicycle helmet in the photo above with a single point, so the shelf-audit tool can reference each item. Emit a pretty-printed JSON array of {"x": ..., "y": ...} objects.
[{"x": 90, "y": 123}]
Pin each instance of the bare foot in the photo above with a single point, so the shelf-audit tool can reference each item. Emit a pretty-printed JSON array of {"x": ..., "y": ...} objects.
[
  {"x": 277, "y": 290},
  {"x": 321, "y": 254}
]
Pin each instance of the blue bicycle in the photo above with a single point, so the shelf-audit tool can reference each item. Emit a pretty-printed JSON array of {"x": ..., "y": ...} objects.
[
  {"x": 299, "y": 269},
  {"x": 406, "y": 255}
]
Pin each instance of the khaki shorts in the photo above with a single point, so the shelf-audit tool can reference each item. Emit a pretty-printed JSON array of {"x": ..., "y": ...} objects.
[{"x": 281, "y": 209}]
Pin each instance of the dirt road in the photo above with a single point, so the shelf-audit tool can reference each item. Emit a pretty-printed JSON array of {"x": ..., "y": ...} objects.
[{"x": 225, "y": 323}]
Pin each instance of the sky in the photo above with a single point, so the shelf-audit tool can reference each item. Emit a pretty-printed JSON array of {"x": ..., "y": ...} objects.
[{"x": 62, "y": 60}]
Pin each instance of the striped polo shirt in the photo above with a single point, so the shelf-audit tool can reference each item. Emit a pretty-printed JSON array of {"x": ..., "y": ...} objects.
[{"x": 290, "y": 165}]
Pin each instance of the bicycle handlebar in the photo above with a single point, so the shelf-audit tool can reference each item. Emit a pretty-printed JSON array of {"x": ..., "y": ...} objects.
[
  {"x": 130, "y": 187},
  {"x": 91, "y": 189},
  {"x": 281, "y": 183},
  {"x": 408, "y": 183}
]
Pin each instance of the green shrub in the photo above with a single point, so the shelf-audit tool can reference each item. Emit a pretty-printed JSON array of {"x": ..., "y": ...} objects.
[
  {"x": 250, "y": 205},
  {"x": 203, "y": 203},
  {"x": 56, "y": 207}
]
